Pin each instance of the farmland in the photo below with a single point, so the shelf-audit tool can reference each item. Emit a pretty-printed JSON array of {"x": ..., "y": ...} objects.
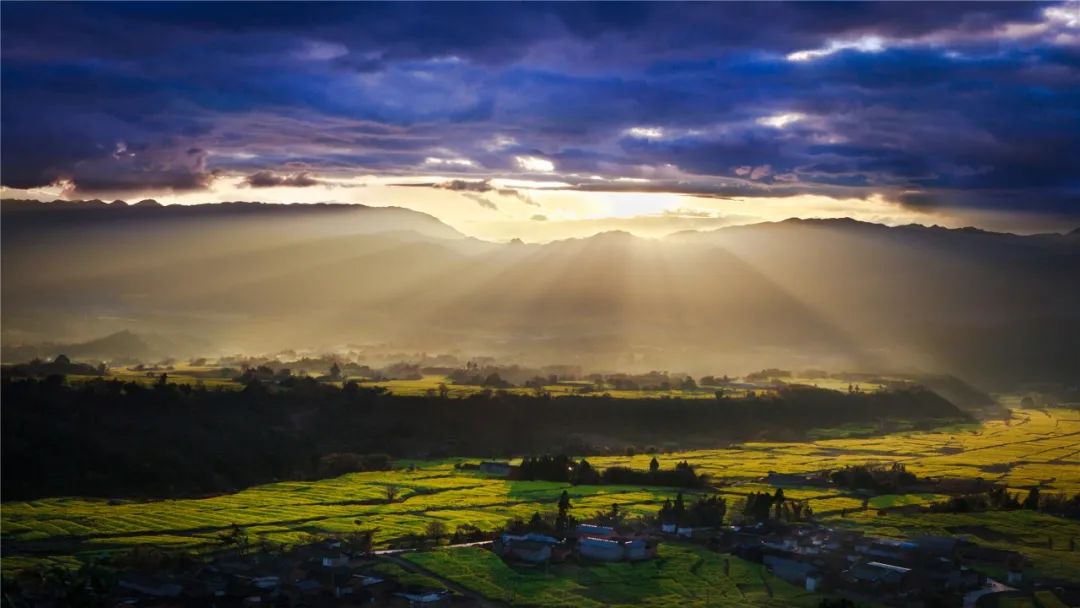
[
  {"x": 215, "y": 377},
  {"x": 211, "y": 377},
  {"x": 1033, "y": 447},
  {"x": 681, "y": 576}
]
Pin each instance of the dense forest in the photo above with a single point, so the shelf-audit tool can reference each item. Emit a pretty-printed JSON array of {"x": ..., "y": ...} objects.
[{"x": 112, "y": 439}]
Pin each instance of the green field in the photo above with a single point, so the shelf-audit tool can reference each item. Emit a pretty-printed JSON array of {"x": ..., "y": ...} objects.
[
  {"x": 203, "y": 376},
  {"x": 682, "y": 575},
  {"x": 178, "y": 374},
  {"x": 1032, "y": 448}
]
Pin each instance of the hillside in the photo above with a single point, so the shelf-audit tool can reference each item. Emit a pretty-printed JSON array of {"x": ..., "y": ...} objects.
[{"x": 103, "y": 438}]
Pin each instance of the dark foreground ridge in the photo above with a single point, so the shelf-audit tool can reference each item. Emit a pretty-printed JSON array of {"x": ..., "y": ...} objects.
[{"x": 111, "y": 438}]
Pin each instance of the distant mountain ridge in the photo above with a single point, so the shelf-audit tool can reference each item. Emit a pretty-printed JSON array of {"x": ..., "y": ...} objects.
[
  {"x": 22, "y": 211},
  {"x": 122, "y": 345},
  {"x": 150, "y": 207},
  {"x": 851, "y": 223}
]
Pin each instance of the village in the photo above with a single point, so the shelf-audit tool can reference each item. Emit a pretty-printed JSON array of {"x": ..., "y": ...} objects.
[
  {"x": 841, "y": 564},
  {"x": 927, "y": 571}
]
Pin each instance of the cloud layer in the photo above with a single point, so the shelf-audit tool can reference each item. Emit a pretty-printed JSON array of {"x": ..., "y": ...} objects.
[{"x": 928, "y": 105}]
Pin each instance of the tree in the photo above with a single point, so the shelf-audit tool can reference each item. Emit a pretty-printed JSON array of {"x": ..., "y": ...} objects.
[
  {"x": 467, "y": 533},
  {"x": 584, "y": 474},
  {"x": 335, "y": 371},
  {"x": 435, "y": 530},
  {"x": 612, "y": 517},
  {"x": 563, "y": 520},
  {"x": 678, "y": 510},
  {"x": 360, "y": 541},
  {"x": 495, "y": 380},
  {"x": 707, "y": 511},
  {"x": 758, "y": 506},
  {"x": 1032, "y": 500},
  {"x": 654, "y": 465},
  {"x": 537, "y": 523},
  {"x": 778, "y": 501},
  {"x": 236, "y": 538},
  {"x": 667, "y": 512},
  {"x": 391, "y": 493}
]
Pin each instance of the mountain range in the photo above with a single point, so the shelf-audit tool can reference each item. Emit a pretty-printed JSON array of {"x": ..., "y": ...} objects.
[{"x": 996, "y": 308}]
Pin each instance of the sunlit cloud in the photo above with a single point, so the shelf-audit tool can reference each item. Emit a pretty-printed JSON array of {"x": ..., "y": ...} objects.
[
  {"x": 535, "y": 164},
  {"x": 753, "y": 173},
  {"x": 121, "y": 150},
  {"x": 499, "y": 142},
  {"x": 645, "y": 132},
  {"x": 1068, "y": 14},
  {"x": 865, "y": 44},
  {"x": 459, "y": 162},
  {"x": 780, "y": 121}
]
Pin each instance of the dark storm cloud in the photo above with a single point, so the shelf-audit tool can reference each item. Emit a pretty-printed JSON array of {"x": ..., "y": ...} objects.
[
  {"x": 474, "y": 190},
  {"x": 267, "y": 179},
  {"x": 461, "y": 185},
  {"x": 947, "y": 104}
]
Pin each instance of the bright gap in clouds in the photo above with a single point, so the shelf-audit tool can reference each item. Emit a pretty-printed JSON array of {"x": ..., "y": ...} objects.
[
  {"x": 645, "y": 132},
  {"x": 865, "y": 44},
  {"x": 780, "y": 121},
  {"x": 461, "y": 162},
  {"x": 1068, "y": 13},
  {"x": 535, "y": 164}
]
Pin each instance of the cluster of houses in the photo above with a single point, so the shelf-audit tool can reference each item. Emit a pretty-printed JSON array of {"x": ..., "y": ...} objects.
[
  {"x": 321, "y": 574},
  {"x": 930, "y": 570},
  {"x": 886, "y": 570},
  {"x": 586, "y": 541}
]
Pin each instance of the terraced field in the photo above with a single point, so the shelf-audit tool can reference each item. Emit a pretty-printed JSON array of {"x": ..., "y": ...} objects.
[{"x": 1032, "y": 448}]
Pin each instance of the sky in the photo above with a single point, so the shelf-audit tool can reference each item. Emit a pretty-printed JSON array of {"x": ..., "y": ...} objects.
[{"x": 543, "y": 121}]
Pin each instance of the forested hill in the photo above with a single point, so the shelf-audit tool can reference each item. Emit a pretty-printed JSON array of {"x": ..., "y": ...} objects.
[{"x": 111, "y": 439}]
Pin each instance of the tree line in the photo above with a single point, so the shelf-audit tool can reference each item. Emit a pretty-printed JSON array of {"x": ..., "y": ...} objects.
[
  {"x": 562, "y": 468},
  {"x": 110, "y": 438},
  {"x": 1000, "y": 499}
]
